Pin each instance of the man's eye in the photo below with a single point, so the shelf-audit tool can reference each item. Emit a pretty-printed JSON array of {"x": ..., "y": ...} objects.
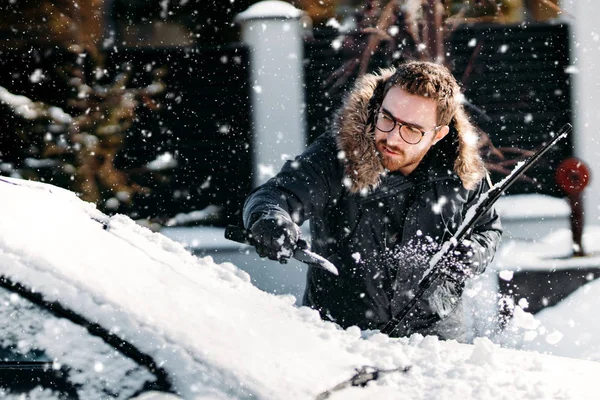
[
  {"x": 413, "y": 129},
  {"x": 387, "y": 117}
]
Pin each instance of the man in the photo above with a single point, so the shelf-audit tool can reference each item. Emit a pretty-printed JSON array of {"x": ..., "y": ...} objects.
[{"x": 383, "y": 190}]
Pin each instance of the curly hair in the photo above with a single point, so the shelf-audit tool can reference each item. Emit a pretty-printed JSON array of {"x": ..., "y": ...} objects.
[{"x": 427, "y": 79}]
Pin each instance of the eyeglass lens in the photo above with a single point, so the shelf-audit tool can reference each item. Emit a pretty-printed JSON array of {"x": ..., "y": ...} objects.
[{"x": 410, "y": 134}]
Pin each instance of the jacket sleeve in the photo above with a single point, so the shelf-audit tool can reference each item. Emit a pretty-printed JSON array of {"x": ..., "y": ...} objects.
[
  {"x": 486, "y": 234},
  {"x": 303, "y": 187}
]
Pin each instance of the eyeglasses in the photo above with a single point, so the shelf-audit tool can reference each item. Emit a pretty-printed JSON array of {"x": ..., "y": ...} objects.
[{"x": 409, "y": 133}]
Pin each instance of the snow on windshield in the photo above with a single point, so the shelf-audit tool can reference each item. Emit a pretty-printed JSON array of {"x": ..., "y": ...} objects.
[{"x": 220, "y": 337}]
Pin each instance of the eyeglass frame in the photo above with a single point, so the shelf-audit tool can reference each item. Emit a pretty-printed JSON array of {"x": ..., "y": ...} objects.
[{"x": 401, "y": 124}]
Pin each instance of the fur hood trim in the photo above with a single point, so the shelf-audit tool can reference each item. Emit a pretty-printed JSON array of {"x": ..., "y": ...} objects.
[{"x": 355, "y": 138}]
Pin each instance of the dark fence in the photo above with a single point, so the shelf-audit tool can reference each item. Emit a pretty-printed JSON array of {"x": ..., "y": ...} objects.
[{"x": 516, "y": 75}]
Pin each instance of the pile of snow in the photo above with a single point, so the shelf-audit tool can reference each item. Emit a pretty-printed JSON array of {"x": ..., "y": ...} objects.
[
  {"x": 568, "y": 329},
  {"x": 220, "y": 337},
  {"x": 574, "y": 329},
  {"x": 523, "y": 206},
  {"x": 550, "y": 252}
]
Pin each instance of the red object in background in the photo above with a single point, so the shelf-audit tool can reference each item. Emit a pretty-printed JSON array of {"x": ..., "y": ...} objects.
[{"x": 572, "y": 175}]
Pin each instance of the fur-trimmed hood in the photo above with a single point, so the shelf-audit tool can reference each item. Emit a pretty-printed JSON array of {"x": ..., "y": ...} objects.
[{"x": 356, "y": 139}]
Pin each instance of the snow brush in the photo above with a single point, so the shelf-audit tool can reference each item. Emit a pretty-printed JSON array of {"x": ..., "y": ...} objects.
[
  {"x": 485, "y": 203},
  {"x": 240, "y": 235}
]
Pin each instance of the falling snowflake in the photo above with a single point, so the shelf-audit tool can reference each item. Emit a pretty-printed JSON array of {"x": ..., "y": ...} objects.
[
  {"x": 506, "y": 275},
  {"x": 571, "y": 69},
  {"x": 332, "y": 22},
  {"x": 37, "y": 76},
  {"x": 266, "y": 170}
]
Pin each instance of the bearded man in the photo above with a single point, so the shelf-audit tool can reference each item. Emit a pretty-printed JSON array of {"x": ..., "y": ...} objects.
[{"x": 383, "y": 189}]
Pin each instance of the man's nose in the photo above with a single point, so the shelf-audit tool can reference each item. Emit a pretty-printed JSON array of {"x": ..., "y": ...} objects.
[{"x": 393, "y": 137}]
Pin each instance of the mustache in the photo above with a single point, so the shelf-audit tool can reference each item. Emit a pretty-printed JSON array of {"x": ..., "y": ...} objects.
[{"x": 385, "y": 143}]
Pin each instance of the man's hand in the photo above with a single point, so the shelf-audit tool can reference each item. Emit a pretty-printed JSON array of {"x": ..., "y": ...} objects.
[
  {"x": 461, "y": 262},
  {"x": 276, "y": 236}
]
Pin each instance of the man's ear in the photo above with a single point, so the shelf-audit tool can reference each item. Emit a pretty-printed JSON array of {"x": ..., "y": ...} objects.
[{"x": 441, "y": 133}]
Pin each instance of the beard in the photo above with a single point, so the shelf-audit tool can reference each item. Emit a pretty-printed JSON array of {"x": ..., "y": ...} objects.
[{"x": 389, "y": 162}]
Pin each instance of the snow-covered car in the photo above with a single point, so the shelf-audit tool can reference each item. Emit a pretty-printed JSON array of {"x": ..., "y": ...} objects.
[{"x": 107, "y": 308}]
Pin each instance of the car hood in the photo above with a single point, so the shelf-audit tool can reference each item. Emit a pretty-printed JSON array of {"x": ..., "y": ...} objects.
[{"x": 218, "y": 336}]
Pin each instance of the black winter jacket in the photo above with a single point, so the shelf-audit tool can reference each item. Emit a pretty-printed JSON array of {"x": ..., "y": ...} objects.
[{"x": 380, "y": 240}]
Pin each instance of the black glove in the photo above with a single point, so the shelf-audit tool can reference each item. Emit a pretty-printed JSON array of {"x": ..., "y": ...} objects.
[
  {"x": 461, "y": 262},
  {"x": 276, "y": 236}
]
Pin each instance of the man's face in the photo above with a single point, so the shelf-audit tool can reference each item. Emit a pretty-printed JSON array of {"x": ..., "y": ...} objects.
[{"x": 416, "y": 111}]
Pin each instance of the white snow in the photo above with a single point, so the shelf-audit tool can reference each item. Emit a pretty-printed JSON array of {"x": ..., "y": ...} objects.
[
  {"x": 37, "y": 76},
  {"x": 523, "y": 206},
  {"x": 572, "y": 69},
  {"x": 207, "y": 214},
  {"x": 266, "y": 171},
  {"x": 220, "y": 337},
  {"x": 26, "y": 108},
  {"x": 506, "y": 275},
  {"x": 162, "y": 162},
  {"x": 208, "y": 238},
  {"x": 550, "y": 252},
  {"x": 12, "y": 99},
  {"x": 58, "y": 115},
  {"x": 568, "y": 329},
  {"x": 336, "y": 44},
  {"x": 523, "y": 319},
  {"x": 332, "y": 22},
  {"x": 23, "y": 106},
  {"x": 269, "y": 9}
]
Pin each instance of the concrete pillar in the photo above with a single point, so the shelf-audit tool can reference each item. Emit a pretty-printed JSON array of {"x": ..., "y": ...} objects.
[
  {"x": 585, "y": 66},
  {"x": 273, "y": 31}
]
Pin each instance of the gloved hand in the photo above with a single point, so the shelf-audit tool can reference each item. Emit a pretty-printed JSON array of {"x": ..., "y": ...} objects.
[
  {"x": 460, "y": 263},
  {"x": 276, "y": 236}
]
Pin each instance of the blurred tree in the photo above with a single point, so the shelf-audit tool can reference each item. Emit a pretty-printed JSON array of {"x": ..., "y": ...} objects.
[
  {"x": 74, "y": 142},
  {"x": 76, "y": 25},
  {"x": 497, "y": 11},
  {"x": 543, "y": 10},
  {"x": 320, "y": 11},
  {"x": 158, "y": 22}
]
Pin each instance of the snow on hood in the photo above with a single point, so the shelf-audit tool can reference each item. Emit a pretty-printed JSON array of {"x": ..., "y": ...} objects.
[
  {"x": 551, "y": 252},
  {"x": 573, "y": 324},
  {"x": 219, "y": 336},
  {"x": 569, "y": 328}
]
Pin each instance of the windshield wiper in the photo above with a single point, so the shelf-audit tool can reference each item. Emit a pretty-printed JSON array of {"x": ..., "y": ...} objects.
[
  {"x": 163, "y": 380},
  {"x": 28, "y": 365},
  {"x": 363, "y": 376}
]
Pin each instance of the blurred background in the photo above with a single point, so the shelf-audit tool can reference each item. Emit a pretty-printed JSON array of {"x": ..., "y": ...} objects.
[{"x": 157, "y": 102}]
